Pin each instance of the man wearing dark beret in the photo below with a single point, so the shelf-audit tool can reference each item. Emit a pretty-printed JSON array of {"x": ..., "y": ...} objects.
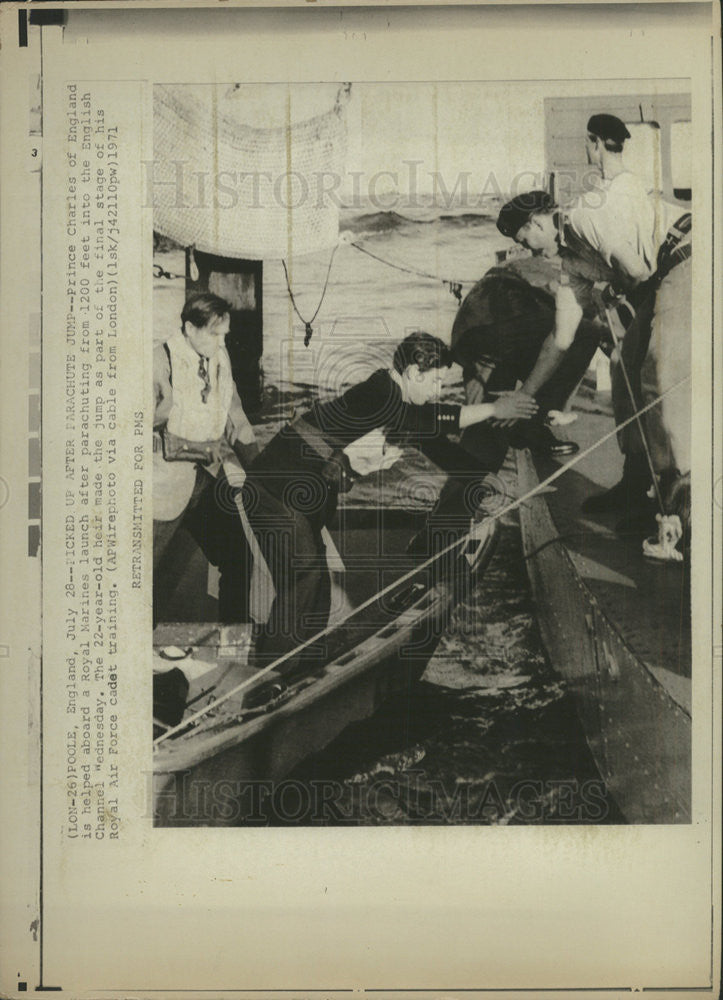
[
  {"x": 536, "y": 222},
  {"x": 627, "y": 226},
  {"x": 624, "y": 245},
  {"x": 611, "y": 131},
  {"x": 648, "y": 242}
]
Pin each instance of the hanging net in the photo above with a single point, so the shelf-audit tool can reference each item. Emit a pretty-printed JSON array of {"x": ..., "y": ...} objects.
[{"x": 235, "y": 190}]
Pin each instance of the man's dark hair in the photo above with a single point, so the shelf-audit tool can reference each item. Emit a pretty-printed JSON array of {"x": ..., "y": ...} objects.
[
  {"x": 202, "y": 307},
  {"x": 423, "y": 350},
  {"x": 610, "y": 144}
]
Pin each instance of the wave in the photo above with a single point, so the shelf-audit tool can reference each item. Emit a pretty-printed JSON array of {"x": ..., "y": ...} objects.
[
  {"x": 367, "y": 224},
  {"x": 466, "y": 219},
  {"x": 374, "y": 222}
]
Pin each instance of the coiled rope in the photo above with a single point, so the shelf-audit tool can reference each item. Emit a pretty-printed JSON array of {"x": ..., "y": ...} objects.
[{"x": 473, "y": 534}]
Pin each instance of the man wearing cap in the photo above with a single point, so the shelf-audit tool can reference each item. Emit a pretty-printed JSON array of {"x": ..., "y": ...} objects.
[
  {"x": 648, "y": 241},
  {"x": 628, "y": 246},
  {"x": 535, "y": 221},
  {"x": 506, "y": 320},
  {"x": 639, "y": 236},
  {"x": 628, "y": 226}
]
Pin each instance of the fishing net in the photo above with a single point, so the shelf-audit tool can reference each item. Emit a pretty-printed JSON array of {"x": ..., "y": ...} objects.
[{"x": 232, "y": 189}]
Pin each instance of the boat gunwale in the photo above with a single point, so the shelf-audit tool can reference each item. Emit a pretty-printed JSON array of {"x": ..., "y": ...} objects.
[
  {"x": 524, "y": 455},
  {"x": 172, "y": 756},
  {"x": 332, "y": 675}
]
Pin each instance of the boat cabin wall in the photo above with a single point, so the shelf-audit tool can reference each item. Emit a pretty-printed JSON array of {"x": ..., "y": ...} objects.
[
  {"x": 658, "y": 149},
  {"x": 240, "y": 282}
]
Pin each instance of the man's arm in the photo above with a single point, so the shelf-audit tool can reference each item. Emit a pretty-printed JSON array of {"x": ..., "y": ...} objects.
[
  {"x": 630, "y": 266},
  {"x": 508, "y": 406},
  {"x": 568, "y": 314}
]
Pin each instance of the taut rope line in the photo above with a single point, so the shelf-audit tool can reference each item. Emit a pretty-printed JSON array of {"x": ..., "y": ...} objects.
[
  {"x": 453, "y": 284},
  {"x": 618, "y": 341},
  {"x": 473, "y": 533}
]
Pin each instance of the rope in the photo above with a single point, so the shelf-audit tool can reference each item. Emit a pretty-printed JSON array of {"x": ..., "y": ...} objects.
[
  {"x": 453, "y": 284},
  {"x": 641, "y": 429},
  {"x": 307, "y": 323},
  {"x": 474, "y": 532}
]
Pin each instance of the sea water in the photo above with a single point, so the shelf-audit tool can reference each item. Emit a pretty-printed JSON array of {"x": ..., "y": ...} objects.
[{"x": 490, "y": 734}]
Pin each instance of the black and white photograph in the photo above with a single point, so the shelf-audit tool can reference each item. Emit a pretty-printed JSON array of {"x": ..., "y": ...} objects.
[
  {"x": 360, "y": 499},
  {"x": 421, "y": 477}
]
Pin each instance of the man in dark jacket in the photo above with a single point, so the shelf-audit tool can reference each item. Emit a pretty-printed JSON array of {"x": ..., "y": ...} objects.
[
  {"x": 501, "y": 329},
  {"x": 291, "y": 489},
  {"x": 504, "y": 326}
]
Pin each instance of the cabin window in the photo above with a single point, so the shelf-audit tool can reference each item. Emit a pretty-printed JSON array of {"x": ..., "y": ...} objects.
[
  {"x": 642, "y": 154},
  {"x": 681, "y": 143}
]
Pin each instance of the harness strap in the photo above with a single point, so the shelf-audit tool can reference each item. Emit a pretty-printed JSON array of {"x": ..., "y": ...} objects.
[
  {"x": 167, "y": 349},
  {"x": 672, "y": 259},
  {"x": 672, "y": 250}
]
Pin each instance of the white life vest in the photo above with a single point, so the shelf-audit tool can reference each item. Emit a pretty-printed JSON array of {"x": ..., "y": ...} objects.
[{"x": 190, "y": 418}]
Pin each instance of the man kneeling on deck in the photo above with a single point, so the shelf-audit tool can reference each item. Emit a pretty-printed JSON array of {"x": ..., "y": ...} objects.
[
  {"x": 511, "y": 318},
  {"x": 508, "y": 326},
  {"x": 291, "y": 490},
  {"x": 645, "y": 368}
]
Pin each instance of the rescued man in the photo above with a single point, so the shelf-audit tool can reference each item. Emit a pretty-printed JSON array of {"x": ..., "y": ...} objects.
[
  {"x": 291, "y": 489},
  {"x": 503, "y": 324},
  {"x": 199, "y": 423}
]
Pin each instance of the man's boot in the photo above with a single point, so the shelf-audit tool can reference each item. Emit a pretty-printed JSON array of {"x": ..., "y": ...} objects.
[{"x": 541, "y": 441}]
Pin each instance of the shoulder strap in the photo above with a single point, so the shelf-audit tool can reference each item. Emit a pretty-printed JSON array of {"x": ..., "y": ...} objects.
[{"x": 167, "y": 349}]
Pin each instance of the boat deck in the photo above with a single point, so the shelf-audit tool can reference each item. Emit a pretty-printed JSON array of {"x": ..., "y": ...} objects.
[{"x": 648, "y": 600}]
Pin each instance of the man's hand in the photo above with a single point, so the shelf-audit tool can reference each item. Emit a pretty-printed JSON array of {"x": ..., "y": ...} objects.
[
  {"x": 371, "y": 453},
  {"x": 509, "y": 407}
]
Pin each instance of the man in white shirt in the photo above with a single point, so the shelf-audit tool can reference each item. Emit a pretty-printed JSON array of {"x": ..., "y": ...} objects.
[
  {"x": 626, "y": 226},
  {"x": 629, "y": 230},
  {"x": 618, "y": 244}
]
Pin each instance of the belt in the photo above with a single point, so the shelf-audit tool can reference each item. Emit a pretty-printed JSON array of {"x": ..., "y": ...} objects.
[
  {"x": 315, "y": 439},
  {"x": 337, "y": 470}
]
